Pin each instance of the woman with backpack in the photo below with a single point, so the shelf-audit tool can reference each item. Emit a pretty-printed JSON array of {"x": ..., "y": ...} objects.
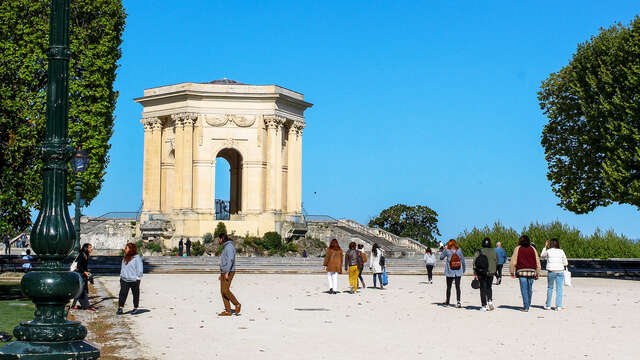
[
  {"x": 429, "y": 261},
  {"x": 375, "y": 264},
  {"x": 556, "y": 264},
  {"x": 454, "y": 268},
  {"x": 130, "y": 276},
  {"x": 352, "y": 260},
  {"x": 485, "y": 263},
  {"x": 525, "y": 265},
  {"x": 333, "y": 265}
]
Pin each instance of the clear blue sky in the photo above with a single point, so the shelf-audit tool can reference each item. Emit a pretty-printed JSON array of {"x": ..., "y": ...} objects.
[{"x": 430, "y": 103}]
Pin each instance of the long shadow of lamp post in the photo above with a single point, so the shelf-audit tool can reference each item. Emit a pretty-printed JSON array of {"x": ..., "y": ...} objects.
[{"x": 51, "y": 285}]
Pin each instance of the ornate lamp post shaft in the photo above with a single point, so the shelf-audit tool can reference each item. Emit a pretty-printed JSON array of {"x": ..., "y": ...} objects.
[{"x": 50, "y": 335}]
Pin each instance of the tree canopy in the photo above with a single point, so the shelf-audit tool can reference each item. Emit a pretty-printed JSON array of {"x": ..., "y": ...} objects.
[
  {"x": 592, "y": 139},
  {"x": 416, "y": 222},
  {"x": 96, "y": 28}
]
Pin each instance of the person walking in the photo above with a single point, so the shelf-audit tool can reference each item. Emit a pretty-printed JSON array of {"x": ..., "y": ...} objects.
[
  {"x": 556, "y": 264},
  {"x": 26, "y": 266},
  {"x": 362, "y": 261},
  {"x": 7, "y": 244},
  {"x": 454, "y": 268},
  {"x": 82, "y": 268},
  {"x": 131, "y": 271},
  {"x": 375, "y": 264},
  {"x": 351, "y": 260},
  {"x": 485, "y": 263},
  {"x": 333, "y": 265},
  {"x": 525, "y": 265},
  {"x": 180, "y": 248},
  {"x": 188, "y": 245},
  {"x": 502, "y": 258},
  {"x": 227, "y": 270},
  {"x": 429, "y": 261}
]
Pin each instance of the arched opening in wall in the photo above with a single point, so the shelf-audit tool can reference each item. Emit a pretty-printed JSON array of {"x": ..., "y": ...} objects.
[{"x": 228, "y": 183}]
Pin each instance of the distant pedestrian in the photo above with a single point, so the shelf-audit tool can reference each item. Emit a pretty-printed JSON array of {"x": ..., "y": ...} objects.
[
  {"x": 485, "y": 263},
  {"x": 7, "y": 244},
  {"x": 429, "y": 261},
  {"x": 351, "y": 260},
  {"x": 227, "y": 270},
  {"x": 363, "y": 260},
  {"x": 525, "y": 265},
  {"x": 304, "y": 253},
  {"x": 556, "y": 264},
  {"x": 454, "y": 268},
  {"x": 502, "y": 258},
  {"x": 188, "y": 245},
  {"x": 180, "y": 247},
  {"x": 376, "y": 265},
  {"x": 131, "y": 271},
  {"x": 26, "y": 266},
  {"x": 82, "y": 268},
  {"x": 333, "y": 265}
]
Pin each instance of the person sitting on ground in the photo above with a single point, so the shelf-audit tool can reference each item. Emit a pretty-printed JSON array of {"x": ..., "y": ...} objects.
[
  {"x": 556, "y": 264},
  {"x": 525, "y": 265},
  {"x": 27, "y": 265},
  {"x": 333, "y": 265},
  {"x": 351, "y": 260},
  {"x": 375, "y": 265},
  {"x": 131, "y": 271},
  {"x": 361, "y": 262},
  {"x": 502, "y": 258},
  {"x": 484, "y": 267},
  {"x": 454, "y": 268},
  {"x": 429, "y": 261}
]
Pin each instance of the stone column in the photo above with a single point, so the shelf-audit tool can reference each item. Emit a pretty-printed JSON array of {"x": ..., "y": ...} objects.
[
  {"x": 292, "y": 161},
  {"x": 179, "y": 156},
  {"x": 274, "y": 163},
  {"x": 188, "y": 120},
  {"x": 299, "y": 125},
  {"x": 146, "y": 167},
  {"x": 204, "y": 190},
  {"x": 155, "y": 157}
]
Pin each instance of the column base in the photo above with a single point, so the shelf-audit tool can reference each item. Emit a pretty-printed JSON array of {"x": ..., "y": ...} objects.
[{"x": 76, "y": 350}]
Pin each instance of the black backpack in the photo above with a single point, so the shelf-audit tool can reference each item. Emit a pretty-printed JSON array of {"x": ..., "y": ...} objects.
[
  {"x": 482, "y": 264},
  {"x": 381, "y": 261}
]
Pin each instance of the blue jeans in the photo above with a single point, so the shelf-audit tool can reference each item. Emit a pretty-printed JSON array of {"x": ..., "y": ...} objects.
[
  {"x": 558, "y": 279},
  {"x": 379, "y": 275},
  {"x": 526, "y": 288}
]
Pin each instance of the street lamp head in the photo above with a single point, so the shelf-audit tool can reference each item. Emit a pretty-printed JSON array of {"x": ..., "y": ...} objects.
[{"x": 80, "y": 161}]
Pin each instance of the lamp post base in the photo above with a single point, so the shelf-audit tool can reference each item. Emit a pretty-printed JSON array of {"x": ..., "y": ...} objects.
[{"x": 64, "y": 350}]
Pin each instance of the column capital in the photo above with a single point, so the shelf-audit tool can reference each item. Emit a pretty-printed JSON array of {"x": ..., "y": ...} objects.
[
  {"x": 274, "y": 121},
  {"x": 298, "y": 127},
  {"x": 185, "y": 118},
  {"x": 151, "y": 123}
]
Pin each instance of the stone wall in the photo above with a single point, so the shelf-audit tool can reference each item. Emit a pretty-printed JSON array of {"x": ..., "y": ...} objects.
[
  {"x": 107, "y": 236},
  {"x": 325, "y": 232}
]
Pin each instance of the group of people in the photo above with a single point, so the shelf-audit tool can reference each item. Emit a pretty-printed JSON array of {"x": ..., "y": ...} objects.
[
  {"x": 353, "y": 261},
  {"x": 131, "y": 271},
  {"x": 182, "y": 245},
  {"x": 488, "y": 262},
  {"x": 21, "y": 242}
]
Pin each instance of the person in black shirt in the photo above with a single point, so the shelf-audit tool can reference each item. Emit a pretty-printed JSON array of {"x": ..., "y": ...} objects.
[
  {"x": 82, "y": 268},
  {"x": 180, "y": 247},
  {"x": 188, "y": 244}
]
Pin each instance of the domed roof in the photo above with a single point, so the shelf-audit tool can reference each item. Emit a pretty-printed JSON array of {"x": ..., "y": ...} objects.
[{"x": 225, "y": 81}]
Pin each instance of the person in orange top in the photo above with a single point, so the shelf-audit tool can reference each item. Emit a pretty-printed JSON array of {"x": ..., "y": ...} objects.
[{"x": 333, "y": 265}]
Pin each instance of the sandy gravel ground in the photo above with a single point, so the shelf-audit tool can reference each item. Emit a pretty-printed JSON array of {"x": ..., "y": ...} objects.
[{"x": 291, "y": 317}]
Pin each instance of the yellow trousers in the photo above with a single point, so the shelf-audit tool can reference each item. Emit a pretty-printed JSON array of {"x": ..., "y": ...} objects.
[{"x": 353, "y": 277}]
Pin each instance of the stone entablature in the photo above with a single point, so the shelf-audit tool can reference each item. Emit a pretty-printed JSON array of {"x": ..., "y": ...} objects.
[{"x": 257, "y": 129}]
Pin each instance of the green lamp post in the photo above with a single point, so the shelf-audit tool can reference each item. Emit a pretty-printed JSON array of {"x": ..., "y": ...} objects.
[
  {"x": 50, "y": 286},
  {"x": 79, "y": 165}
]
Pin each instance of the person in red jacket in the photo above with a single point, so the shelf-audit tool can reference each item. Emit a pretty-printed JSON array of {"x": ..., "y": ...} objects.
[{"x": 525, "y": 265}]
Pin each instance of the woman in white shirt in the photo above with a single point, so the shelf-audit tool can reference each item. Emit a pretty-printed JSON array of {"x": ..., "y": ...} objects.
[
  {"x": 556, "y": 263},
  {"x": 374, "y": 264},
  {"x": 430, "y": 261}
]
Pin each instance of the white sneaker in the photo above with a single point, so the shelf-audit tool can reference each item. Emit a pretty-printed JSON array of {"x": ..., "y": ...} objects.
[
  {"x": 483, "y": 308},
  {"x": 490, "y": 306},
  {"x": 558, "y": 308},
  {"x": 547, "y": 307}
]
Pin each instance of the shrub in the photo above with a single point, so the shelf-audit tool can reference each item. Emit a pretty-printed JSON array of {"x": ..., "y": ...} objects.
[
  {"x": 174, "y": 251},
  {"x": 272, "y": 240},
  {"x": 197, "y": 248},
  {"x": 208, "y": 238},
  {"x": 153, "y": 246},
  {"x": 220, "y": 229}
]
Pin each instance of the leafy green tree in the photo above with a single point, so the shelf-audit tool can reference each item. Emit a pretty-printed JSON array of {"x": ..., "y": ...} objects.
[
  {"x": 416, "y": 222},
  {"x": 592, "y": 140},
  {"x": 220, "y": 229},
  {"x": 95, "y": 36}
]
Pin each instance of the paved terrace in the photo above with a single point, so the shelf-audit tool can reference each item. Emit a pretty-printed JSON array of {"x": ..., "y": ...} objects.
[{"x": 291, "y": 317}]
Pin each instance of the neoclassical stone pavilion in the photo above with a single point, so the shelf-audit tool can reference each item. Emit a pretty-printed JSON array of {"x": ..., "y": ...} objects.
[{"x": 256, "y": 128}]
